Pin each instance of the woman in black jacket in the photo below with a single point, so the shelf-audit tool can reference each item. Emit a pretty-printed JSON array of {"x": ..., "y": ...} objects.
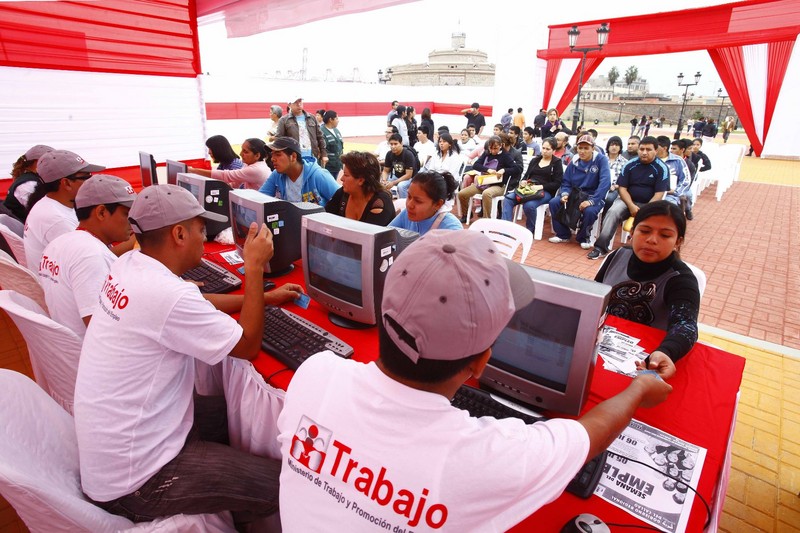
[{"x": 544, "y": 170}]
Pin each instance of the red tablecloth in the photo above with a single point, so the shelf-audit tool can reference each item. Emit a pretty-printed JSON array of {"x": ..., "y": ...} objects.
[{"x": 700, "y": 409}]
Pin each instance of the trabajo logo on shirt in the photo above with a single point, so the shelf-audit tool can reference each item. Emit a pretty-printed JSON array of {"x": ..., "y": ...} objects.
[{"x": 310, "y": 448}]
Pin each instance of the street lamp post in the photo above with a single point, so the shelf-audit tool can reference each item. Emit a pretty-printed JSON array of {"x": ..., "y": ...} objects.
[
  {"x": 685, "y": 93},
  {"x": 384, "y": 78},
  {"x": 602, "y": 39},
  {"x": 723, "y": 96},
  {"x": 619, "y": 118}
]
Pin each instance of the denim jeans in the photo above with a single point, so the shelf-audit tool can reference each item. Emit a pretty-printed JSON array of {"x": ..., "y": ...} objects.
[
  {"x": 528, "y": 207},
  {"x": 617, "y": 213},
  {"x": 588, "y": 218},
  {"x": 205, "y": 477}
]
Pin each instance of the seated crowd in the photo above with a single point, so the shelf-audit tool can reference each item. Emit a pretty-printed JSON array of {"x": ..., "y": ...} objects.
[{"x": 109, "y": 261}]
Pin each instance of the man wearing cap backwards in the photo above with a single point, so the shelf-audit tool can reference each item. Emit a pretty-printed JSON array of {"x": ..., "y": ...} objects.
[
  {"x": 141, "y": 453},
  {"x": 75, "y": 265},
  {"x": 379, "y": 444},
  {"x": 304, "y": 129},
  {"x": 589, "y": 172},
  {"x": 51, "y": 206},
  {"x": 296, "y": 179}
]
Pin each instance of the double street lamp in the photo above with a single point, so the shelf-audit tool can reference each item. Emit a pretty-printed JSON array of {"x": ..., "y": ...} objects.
[
  {"x": 685, "y": 93},
  {"x": 384, "y": 78},
  {"x": 602, "y": 39}
]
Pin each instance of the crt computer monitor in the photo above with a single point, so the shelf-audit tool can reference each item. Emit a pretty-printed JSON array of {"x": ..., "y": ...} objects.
[
  {"x": 173, "y": 169},
  {"x": 212, "y": 195},
  {"x": 147, "y": 167},
  {"x": 345, "y": 263},
  {"x": 282, "y": 219},
  {"x": 545, "y": 356}
]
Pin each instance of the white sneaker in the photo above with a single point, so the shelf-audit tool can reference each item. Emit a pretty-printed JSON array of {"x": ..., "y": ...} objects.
[
  {"x": 586, "y": 245},
  {"x": 556, "y": 239}
]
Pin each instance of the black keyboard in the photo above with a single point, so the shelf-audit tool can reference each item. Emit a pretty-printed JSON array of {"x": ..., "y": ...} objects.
[
  {"x": 480, "y": 403},
  {"x": 216, "y": 279},
  {"x": 291, "y": 339}
]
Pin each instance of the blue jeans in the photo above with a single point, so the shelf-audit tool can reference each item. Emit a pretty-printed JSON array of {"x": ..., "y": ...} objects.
[
  {"x": 402, "y": 189},
  {"x": 205, "y": 477},
  {"x": 528, "y": 207},
  {"x": 588, "y": 218}
]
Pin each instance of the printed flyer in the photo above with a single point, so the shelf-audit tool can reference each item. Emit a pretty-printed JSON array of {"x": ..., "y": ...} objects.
[{"x": 661, "y": 501}]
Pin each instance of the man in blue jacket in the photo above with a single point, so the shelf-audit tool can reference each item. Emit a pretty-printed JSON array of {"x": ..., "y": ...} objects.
[
  {"x": 589, "y": 172},
  {"x": 296, "y": 179}
]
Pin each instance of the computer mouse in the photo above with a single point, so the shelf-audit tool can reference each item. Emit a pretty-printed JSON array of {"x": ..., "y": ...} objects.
[
  {"x": 268, "y": 285},
  {"x": 585, "y": 523}
]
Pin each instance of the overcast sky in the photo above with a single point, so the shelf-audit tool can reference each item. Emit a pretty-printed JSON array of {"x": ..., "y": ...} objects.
[{"x": 406, "y": 33}]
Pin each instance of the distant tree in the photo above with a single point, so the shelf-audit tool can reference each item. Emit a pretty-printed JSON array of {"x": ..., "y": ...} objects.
[
  {"x": 613, "y": 76},
  {"x": 631, "y": 75}
]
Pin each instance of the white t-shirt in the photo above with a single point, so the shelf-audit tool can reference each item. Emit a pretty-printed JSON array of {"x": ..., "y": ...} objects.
[
  {"x": 382, "y": 149},
  {"x": 361, "y": 450},
  {"x": 133, "y": 395},
  {"x": 47, "y": 220},
  {"x": 425, "y": 151},
  {"x": 73, "y": 268}
]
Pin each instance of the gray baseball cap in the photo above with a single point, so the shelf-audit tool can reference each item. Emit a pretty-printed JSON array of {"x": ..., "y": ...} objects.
[
  {"x": 59, "y": 164},
  {"x": 159, "y": 206},
  {"x": 285, "y": 143},
  {"x": 35, "y": 152},
  {"x": 450, "y": 294},
  {"x": 104, "y": 189}
]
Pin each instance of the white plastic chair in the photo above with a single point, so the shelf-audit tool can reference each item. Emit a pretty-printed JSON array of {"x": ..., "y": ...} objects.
[
  {"x": 16, "y": 244},
  {"x": 15, "y": 277},
  {"x": 701, "y": 277},
  {"x": 40, "y": 475},
  {"x": 507, "y": 236},
  {"x": 13, "y": 224},
  {"x": 253, "y": 409},
  {"x": 54, "y": 349},
  {"x": 541, "y": 212}
]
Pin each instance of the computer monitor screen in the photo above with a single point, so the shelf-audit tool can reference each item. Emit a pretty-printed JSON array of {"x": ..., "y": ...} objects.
[
  {"x": 334, "y": 267},
  {"x": 212, "y": 195},
  {"x": 345, "y": 264},
  {"x": 539, "y": 350},
  {"x": 281, "y": 217},
  {"x": 147, "y": 167},
  {"x": 545, "y": 356},
  {"x": 173, "y": 168}
]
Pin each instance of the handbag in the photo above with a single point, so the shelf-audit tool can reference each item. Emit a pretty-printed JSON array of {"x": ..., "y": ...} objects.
[{"x": 529, "y": 191}]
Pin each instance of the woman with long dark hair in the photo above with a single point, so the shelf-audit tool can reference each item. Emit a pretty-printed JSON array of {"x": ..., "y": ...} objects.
[
  {"x": 652, "y": 286},
  {"x": 254, "y": 172}
]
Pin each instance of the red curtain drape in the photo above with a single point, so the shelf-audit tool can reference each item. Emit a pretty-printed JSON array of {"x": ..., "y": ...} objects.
[
  {"x": 572, "y": 87},
  {"x": 550, "y": 81},
  {"x": 729, "y": 62},
  {"x": 156, "y": 37},
  {"x": 778, "y": 54}
]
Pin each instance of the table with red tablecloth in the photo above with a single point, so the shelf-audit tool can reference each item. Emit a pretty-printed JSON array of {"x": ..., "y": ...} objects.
[{"x": 701, "y": 409}]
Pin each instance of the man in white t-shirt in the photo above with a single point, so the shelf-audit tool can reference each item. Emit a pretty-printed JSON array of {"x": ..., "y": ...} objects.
[
  {"x": 75, "y": 265},
  {"x": 51, "y": 207},
  {"x": 144, "y": 445},
  {"x": 375, "y": 444},
  {"x": 425, "y": 148}
]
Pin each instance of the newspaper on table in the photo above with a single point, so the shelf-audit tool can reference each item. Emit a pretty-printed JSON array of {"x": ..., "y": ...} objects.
[
  {"x": 647, "y": 494},
  {"x": 620, "y": 351}
]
